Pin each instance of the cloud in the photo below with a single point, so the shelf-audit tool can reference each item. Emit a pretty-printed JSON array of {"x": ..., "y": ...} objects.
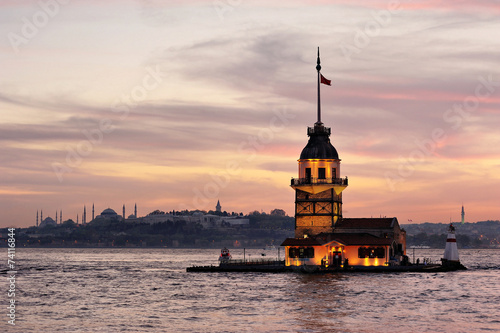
[{"x": 223, "y": 82}]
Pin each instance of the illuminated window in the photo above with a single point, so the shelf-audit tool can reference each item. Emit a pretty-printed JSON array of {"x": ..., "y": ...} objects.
[
  {"x": 371, "y": 252},
  {"x": 321, "y": 173},
  {"x": 301, "y": 252}
]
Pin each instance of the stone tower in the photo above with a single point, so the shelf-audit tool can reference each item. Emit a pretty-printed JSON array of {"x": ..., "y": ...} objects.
[{"x": 318, "y": 189}]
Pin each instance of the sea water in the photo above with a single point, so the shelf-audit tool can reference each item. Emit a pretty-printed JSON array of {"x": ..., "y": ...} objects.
[{"x": 149, "y": 290}]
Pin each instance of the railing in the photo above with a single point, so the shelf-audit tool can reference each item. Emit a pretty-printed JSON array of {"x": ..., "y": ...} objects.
[
  {"x": 315, "y": 181},
  {"x": 318, "y": 130},
  {"x": 271, "y": 262}
]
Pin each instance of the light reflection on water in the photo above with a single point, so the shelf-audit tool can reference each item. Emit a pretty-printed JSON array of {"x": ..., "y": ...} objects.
[{"x": 148, "y": 290}]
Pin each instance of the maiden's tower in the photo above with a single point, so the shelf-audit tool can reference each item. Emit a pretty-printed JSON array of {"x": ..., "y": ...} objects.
[{"x": 323, "y": 237}]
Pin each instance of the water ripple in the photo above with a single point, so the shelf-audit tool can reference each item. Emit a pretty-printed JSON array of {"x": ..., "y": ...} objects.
[{"x": 142, "y": 290}]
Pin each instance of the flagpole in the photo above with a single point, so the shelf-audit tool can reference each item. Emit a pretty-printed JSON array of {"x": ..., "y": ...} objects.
[{"x": 318, "y": 68}]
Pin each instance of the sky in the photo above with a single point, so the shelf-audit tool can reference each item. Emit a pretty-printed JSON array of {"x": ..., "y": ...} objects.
[{"x": 177, "y": 104}]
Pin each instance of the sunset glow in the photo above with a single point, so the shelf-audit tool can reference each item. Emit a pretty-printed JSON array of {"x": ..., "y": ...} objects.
[{"x": 177, "y": 104}]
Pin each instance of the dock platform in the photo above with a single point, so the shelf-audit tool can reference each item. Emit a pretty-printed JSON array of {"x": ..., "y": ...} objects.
[
  {"x": 268, "y": 266},
  {"x": 274, "y": 266}
]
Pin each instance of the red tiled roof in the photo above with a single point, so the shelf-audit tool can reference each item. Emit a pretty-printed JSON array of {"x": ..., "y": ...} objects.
[
  {"x": 366, "y": 223},
  {"x": 361, "y": 239},
  {"x": 345, "y": 239},
  {"x": 310, "y": 241}
]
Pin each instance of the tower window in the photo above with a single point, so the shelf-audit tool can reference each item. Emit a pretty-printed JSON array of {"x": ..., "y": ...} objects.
[
  {"x": 308, "y": 173},
  {"x": 334, "y": 173},
  {"x": 321, "y": 173}
]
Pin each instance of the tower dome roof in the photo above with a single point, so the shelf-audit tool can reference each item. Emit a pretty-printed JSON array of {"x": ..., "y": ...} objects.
[{"x": 319, "y": 145}]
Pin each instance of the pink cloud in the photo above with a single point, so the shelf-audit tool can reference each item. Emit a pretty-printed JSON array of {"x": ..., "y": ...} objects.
[{"x": 462, "y": 5}]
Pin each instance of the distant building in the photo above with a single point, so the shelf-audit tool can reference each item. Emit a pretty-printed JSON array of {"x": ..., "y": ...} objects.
[
  {"x": 218, "y": 208},
  {"x": 48, "y": 221},
  {"x": 108, "y": 215},
  {"x": 206, "y": 220},
  {"x": 215, "y": 221}
]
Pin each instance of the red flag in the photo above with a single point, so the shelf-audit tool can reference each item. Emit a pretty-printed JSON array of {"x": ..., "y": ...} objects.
[{"x": 325, "y": 80}]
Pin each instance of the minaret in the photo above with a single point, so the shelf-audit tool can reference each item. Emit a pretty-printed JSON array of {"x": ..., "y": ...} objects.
[
  {"x": 41, "y": 215},
  {"x": 84, "y": 217},
  {"x": 463, "y": 214},
  {"x": 37, "y": 217},
  {"x": 123, "y": 212},
  {"x": 135, "y": 210},
  {"x": 318, "y": 190},
  {"x": 92, "y": 211},
  {"x": 60, "y": 216},
  {"x": 218, "y": 208},
  {"x": 56, "y": 216},
  {"x": 76, "y": 218}
]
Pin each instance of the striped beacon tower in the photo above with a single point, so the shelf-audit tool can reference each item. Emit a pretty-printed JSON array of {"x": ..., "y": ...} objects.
[{"x": 451, "y": 250}]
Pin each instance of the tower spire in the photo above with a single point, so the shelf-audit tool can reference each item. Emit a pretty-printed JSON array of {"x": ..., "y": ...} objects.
[{"x": 318, "y": 68}]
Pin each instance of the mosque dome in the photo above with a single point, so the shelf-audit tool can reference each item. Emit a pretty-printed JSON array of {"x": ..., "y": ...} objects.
[
  {"x": 108, "y": 212},
  {"x": 48, "y": 221},
  {"x": 319, "y": 145}
]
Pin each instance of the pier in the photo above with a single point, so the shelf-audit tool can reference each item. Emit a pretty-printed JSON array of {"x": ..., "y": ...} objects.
[
  {"x": 239, "y": 265},
  {"x": 275, "y": 266}
]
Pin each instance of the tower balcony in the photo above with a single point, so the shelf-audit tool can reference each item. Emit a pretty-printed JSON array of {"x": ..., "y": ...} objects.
[
  {"x": 318, "y": 130},
  {"x": 315, "y": 181},
  {"x": 316, "y": 185}
]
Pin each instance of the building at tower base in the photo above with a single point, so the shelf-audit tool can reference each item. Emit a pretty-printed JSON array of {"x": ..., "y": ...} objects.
[{"x": 354, "y": 241}]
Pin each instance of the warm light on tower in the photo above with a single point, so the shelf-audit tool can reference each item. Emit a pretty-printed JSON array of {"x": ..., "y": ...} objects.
[{"x": 318, "y": 189}]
